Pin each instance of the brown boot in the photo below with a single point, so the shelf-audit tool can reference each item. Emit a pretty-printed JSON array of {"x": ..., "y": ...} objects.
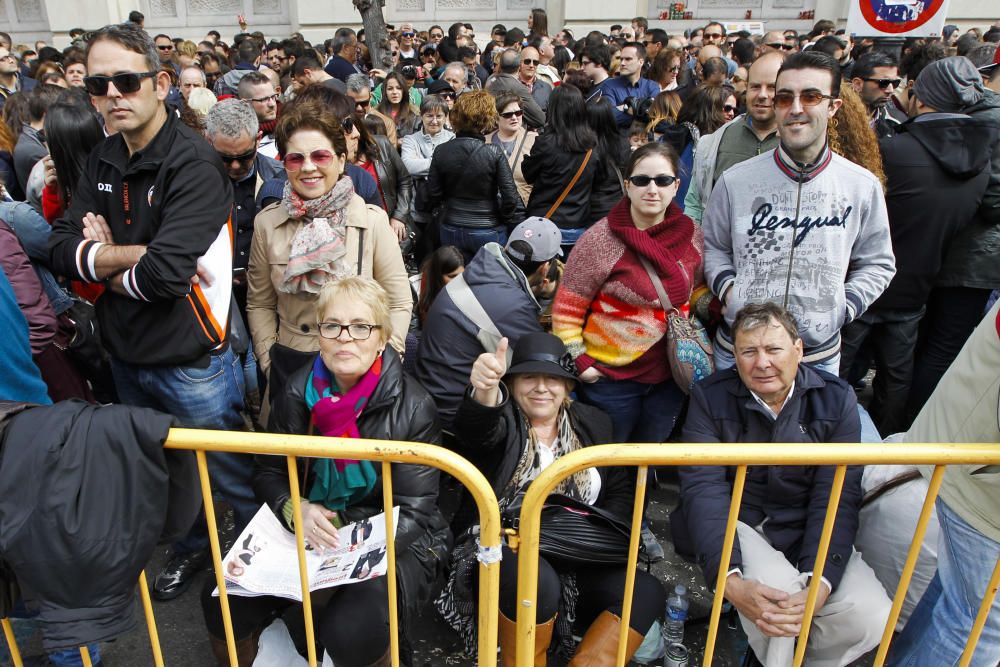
[
  {"x": 246, "y": 650},
  {"x": 385, "y": 660},
  {"x": 507, "y": 632},
  {"x": 599, "y": 647}
]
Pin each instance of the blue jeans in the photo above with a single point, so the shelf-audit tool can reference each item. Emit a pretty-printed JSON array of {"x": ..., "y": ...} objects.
[
  {"x": 724, "y": 359},
  {"x": 936, "y": 633},
  {"x": 639, "y": 412},
  {"x": 569, "y": 239},
  {"x": 71, "y": 657},
  {"x": 208, "y": 398},
  {"x": 470, "y": 239}
]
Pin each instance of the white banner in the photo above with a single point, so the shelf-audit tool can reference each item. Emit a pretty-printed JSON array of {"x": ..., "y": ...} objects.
[{"x": 897, "y": 18}]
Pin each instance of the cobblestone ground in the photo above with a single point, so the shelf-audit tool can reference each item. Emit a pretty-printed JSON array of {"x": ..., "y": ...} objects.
[{"x": 182, "y": 633}]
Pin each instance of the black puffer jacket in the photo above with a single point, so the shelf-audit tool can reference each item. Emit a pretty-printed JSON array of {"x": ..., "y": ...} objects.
[
  {"x": 473, "y": 182},
  {"x": 494, "y": 438},
  {"x": 400, "y": 409},
  {"x": 395, "y": 180},
  {"x": 549, "y": 169},
  {"x": 790, "y": 500}
]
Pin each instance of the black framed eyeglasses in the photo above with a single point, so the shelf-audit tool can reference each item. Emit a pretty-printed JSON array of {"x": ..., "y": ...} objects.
[
  {"x": 355, "y": 330},
  {"x": 125, "y": 82},
  {"x": 884, "y": 83},
  {"x": 245, "y": 157},
  {"x": 808, "y": 98},
  {"x": 662, "y": 181},
  {"x": 266, "y": 98}
]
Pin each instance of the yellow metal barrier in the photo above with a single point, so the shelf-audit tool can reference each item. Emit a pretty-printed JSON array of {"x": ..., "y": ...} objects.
[
  {"x": 742, "y": 455},
  {"x": 292, "y": 446}
]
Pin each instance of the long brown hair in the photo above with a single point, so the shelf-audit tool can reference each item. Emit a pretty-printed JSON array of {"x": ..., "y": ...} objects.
[
  {"x": 703, "y": 108},
  {"x": 404, "y": 110},
  {"x": 851, "y": 136}
]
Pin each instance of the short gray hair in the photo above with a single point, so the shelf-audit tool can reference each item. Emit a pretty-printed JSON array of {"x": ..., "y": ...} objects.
[
  {"x": 342, "y": 38},
  {"x": 231, "y": 118},
  {"x": 510, "y": 60},
  {"x": 358, "y": 82},
  {"x": 756, "y": 315},
  {"x": 199, "y": 70}
]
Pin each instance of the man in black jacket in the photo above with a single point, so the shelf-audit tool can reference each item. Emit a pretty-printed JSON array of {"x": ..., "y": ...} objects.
[
  {"x": 772, "y": 397},
  {"x": 151, "y": 221},
  {"x": 937, "y": 151}
]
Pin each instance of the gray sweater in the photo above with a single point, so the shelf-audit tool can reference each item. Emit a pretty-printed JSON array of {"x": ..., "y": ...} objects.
[{"x": 843, "y": 256}]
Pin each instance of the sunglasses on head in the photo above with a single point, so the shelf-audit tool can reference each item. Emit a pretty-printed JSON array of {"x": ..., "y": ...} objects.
[
  {"x": 662, "y": 181},
  {"x": 512, "y": 114},
  {"x": 125, "y": 82},
  {"x": 245, "y": 157},
  {"x": 319, "y": 158},
  {"x": 808, "y": 98},
  {"x": 885, "y": 83}
]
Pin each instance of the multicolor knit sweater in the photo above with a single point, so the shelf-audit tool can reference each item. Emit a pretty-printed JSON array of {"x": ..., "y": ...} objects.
[{"x": 607, "y": 310}]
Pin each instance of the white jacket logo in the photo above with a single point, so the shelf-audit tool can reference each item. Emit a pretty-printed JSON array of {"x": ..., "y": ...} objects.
[{"x": 104, "y": 187}]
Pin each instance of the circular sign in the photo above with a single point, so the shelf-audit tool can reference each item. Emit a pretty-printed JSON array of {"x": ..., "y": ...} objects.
[{"x": 899, "y": 16}]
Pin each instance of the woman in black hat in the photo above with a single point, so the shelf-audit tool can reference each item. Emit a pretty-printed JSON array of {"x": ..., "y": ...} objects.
[{"x": 512, "y": 430}]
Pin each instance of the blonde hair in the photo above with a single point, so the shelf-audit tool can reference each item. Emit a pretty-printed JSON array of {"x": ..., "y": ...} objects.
[
  {"x": 188, "y": 48},
  {"x": 358, "y": 289}
]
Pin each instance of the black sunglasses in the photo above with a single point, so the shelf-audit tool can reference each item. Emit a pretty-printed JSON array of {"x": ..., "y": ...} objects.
[
  {"x": 347, "y": 124},
  {"x": 125, "y": 83},
  {"x": 781, "y": 45},
  {"x": 245, "y": 157},
  {"x": 885, "y": 83},
  {"x": 512, "y": 114},
  {"x": 408, "y": 34},
  {"x": 729, "y": 108},
  {"x": 165, "y": 47},
  {"x": 661, "y": 181},
  {"x": 529, "y": 61}
]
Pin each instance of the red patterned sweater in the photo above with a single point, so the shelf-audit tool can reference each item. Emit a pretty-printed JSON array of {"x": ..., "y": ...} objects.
[{"x": 607, "y": 310}]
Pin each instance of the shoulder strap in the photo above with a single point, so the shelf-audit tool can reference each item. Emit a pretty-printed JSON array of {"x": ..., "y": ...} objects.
[
  {"x": 576, "y": 177},
  {"x": 621, "y": 178},
  {"x": 465, "y": 300},
  {"x": 361, "y": 248},
  {"x": 657, "y": 283},
  {"x": 517, "y": 152}
]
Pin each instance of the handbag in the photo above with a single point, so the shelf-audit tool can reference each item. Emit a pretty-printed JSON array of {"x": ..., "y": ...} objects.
[
  {"x": 689, "y": 349},
  {"x": 575, "y": 532}
]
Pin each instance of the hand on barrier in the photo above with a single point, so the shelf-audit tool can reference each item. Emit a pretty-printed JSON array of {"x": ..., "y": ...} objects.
[
  {"x": 317, "y": 528},
  {"x": 487, "y": 372}
]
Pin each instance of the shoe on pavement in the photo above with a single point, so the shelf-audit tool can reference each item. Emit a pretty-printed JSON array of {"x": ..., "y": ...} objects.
[
  {"x": 654, "y": 552},
  {"x": 177, "y": 574}
]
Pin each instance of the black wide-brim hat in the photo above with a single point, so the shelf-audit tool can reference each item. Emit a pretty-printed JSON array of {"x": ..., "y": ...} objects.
[{"x": 542, "y": 353}]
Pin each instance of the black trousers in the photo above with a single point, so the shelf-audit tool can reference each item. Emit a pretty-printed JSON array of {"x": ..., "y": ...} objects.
[
  {"x": 601, "y": 587},
  {"x": 891, "y": 337},
  {"x": 952, "y": 314},
  {"x": 351, "y": 622}
]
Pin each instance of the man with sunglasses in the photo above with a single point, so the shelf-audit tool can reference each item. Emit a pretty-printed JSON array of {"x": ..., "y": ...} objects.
[
  {"x": 150, "y": 220},
  {"x": 505, "y": 81},
  {"x": 527, "y": 74},
  {"x": 773, "y": 41},
  {"x": 165, "y": 49},
  {"x": 799, "y": 225},
  {"x": 407, "y": 42},
  {"x": 875, "y": 77}
]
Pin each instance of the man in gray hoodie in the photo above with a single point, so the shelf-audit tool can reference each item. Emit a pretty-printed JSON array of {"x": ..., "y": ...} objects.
[{"x": 799, "y": 225}]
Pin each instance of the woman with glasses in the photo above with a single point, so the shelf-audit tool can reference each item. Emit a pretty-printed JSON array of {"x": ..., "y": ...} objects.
[
  {"x": 471, "y": 180},
  {"x": 665, "y": 69},
  {"x": 354, "y": 388},
  {"x": 608, "y": 310},
  {"x": 513, "y": 138},
  {"x": 417, "y": 151},
  {"x": 319, "y": 232}
]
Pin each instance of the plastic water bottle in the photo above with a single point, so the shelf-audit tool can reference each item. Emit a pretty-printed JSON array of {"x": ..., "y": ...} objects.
[{"x": 677, "y": 612}]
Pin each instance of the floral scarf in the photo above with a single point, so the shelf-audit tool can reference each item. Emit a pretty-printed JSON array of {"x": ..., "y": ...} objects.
[
  {"x": 318, "y": 247},
  {"x": 340, "y": 482},
  {"x": 529, "y": 466}
]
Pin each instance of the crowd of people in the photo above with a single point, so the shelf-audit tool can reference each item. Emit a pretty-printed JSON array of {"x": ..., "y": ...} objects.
[{"x": 489, "y": 247}]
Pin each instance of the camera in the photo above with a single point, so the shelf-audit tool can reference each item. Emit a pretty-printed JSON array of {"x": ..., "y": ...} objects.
[
  {"x": 409, "y": 72},
  {"x": 639, "y": 107}
]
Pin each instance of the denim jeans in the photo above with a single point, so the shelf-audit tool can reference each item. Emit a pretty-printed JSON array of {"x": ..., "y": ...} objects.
[
  {"x": 569, "y": 239},
  {"x": 724, "y": 359},
  {"x": 639, "y": 412},
  {"x": 208, "y": 398},
  {"x": 470, "y": 239},
  {"x": 71, "y": 657},
  {"x": 936, "y": 633}
]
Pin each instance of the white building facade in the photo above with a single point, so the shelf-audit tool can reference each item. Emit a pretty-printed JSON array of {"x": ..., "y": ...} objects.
[{"x": 51, "y": 20}]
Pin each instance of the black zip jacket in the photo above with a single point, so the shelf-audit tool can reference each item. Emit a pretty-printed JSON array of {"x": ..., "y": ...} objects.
[
  {"x": 550, "y": 169},
  {"x": 174, "y": 197}
]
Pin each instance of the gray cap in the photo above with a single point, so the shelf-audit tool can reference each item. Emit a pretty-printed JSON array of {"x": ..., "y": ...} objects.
[
  {"x": 949, "y": 85},
  {"x": 541, "y": 234}
]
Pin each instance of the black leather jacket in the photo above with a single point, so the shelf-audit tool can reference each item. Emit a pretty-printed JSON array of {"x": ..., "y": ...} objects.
[
  {"x": 394, "y": 179},
  {"x": 400, "y": 409},
  {"x": 474, "y": 183}
]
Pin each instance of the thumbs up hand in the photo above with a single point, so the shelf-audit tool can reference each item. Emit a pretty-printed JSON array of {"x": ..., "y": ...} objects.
[{"x": 486, "y": 374}]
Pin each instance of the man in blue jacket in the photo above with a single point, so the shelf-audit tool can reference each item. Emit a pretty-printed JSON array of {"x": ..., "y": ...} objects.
[
  {"x": 771, "y": 396},
  {"x": 629, "y": 83}
]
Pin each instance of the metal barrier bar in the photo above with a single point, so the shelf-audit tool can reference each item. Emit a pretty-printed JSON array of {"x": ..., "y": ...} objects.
[
  {"x": 910, "y": 565},
  {"x": 390, "y": 546},
  {"x": 213, "y": 541},
  {"x": 147, "y": 607},
  {"x": 300, "y": 549},
  {"x": 727, "y": 555},
  {"x": 85, "y": 656},
  {"x": 386, "y": 451},
  {"x": 633, "y": 561},
  {"x": 8, "y": 633},
  {"x": 741, "y": 455},
  {"x": 821, "y": 553},
  {"x": 984, "y": 611}
]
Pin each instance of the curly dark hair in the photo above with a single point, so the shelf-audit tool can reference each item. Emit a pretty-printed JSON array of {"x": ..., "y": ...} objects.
[{"x": 309, "y": 115}]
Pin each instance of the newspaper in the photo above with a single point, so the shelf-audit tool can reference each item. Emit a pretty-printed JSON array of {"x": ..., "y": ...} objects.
[{"x": 264, "y": 559}]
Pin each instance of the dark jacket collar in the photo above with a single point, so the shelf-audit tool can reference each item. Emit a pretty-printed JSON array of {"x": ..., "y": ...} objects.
[
  {"x": 805, "y": 379},
  {"x": 796, "y": 170},
  {"x": 151, "y": 156}
]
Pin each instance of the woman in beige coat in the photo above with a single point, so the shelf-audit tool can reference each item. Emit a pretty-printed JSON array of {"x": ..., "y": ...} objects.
[
  {"x": 515, "y": 140},
  {"x": 320, "y": 231}
]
